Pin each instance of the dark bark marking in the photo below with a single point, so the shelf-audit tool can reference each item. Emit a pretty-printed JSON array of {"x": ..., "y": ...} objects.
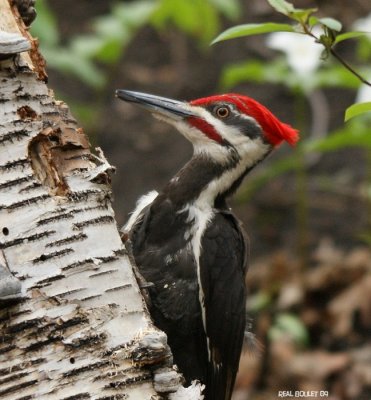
[
  {"x": 68, "y": 240},
  {"x": 48, "y": 256},
  {"x": 105, "y": 219}
]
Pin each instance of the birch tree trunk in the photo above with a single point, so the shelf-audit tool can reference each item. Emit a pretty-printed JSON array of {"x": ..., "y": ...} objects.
[{"x": 73, "y": 323}]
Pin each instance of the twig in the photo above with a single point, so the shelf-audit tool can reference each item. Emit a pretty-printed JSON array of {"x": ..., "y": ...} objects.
[
  {"x": 332, "y": 51},
  {"x": 348, "y": 67}
]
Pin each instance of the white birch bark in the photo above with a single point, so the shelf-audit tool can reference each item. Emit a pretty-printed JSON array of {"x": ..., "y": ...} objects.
[{"x": 81, "y": 329}]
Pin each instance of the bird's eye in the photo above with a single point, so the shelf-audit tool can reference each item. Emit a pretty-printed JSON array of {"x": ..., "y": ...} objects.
[{"x": 222, "y": 112}]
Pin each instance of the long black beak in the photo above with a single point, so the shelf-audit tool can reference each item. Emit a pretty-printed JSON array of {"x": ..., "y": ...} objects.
[{"x": 173, "y": 109}]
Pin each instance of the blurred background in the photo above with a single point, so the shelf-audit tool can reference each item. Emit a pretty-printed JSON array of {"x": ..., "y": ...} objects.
[{"x": 307, "y": 210}]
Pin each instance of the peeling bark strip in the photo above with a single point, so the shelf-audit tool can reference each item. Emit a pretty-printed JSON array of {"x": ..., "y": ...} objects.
[{"x": 81, "y": 330}]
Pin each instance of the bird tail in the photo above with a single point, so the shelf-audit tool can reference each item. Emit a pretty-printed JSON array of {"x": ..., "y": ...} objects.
[{"x": 220, "y": 383}]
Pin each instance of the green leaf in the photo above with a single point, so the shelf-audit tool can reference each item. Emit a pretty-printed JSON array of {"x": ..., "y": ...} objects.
[
  {"x": 348, "y": 35},
  {"x": 312, "y": 21},
  {"x": 353, "y": 135},
  {"x": 252, "y": 29},
  {"x": 282, "y": 6},
  {"x": 302, "y": 16},
  {"x": 289, "y": 325},
  {"x": 357, "y": 109},
  {"x": 331, "y": 23},
  {"x": 286, "y": 8}
]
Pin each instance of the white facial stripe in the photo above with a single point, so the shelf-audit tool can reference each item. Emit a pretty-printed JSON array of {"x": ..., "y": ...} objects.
[
  {"x": 228, "y": 132},
  {"x": 256, "y": 150},
  {"x": 202, "y": 143},
  {"x": 244, "y": 145}
]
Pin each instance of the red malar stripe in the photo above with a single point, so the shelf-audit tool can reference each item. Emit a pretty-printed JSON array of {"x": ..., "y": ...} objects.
[{"x": 205, "y": 128}]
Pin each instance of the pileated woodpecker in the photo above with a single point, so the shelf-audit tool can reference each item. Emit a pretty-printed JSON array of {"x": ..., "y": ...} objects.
[{"x": 187, "y": 242}]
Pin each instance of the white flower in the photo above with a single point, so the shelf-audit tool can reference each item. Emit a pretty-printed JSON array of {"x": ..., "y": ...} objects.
[
  {"x": 363, "y": 94},
  {"x": 363, "y": 25},
  {"x": 303, "y": 53}
]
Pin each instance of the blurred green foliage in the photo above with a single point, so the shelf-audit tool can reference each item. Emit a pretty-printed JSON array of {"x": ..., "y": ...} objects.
[
  {"x": 329, "y": 74},
  {"x": 90, "y": 57},
  {"x": 305, "y": 23},
  {"x": 106, "y": 42},
  {"x": 93, "y": 57},
  {"x": 289, "y": 326},
  {"x": 109, "y": 35},
  {"x": 284, "y": 69}
]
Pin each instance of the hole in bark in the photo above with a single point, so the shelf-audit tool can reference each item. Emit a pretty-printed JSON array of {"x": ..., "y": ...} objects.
[
  {"x": 47, "y": 160},
  {"x": 5, "y": 231},
  {"x": 26, "y": 113},
  {"x": 59, "y": 150},
  {"x": 72, "y": 360}
]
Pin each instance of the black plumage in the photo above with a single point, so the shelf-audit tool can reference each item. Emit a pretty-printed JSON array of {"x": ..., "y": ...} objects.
[
  {"x": 188, "y": 244},
  {"x": 162, "y": 246}
]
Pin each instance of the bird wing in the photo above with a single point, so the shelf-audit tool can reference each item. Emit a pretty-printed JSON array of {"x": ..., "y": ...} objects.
[
  {"x": 139, "y": 211},
  {"x": 223, "y": 264},
  {"x": 164, "y": 259}
]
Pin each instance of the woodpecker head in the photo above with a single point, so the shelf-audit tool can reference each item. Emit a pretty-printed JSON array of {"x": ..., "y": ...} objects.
[{"x": 223, "y": 127}]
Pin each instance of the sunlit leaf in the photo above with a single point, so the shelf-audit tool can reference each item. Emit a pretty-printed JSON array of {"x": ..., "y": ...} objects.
[
  {"x": 348, "y": 35},
  {"x": 282, "y": 6},
  {"x": 331, "y": 23},
  {"x": 302, "y": 16},
  {"x": 252, "y": 29},
  {"x": 288, "y": 9},
  {"x": 357, "y": 109},
  {"x": 313, "y": 20}
]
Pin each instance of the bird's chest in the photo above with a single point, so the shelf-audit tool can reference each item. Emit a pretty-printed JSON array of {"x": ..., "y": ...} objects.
[{"x": 173, "y": 246}]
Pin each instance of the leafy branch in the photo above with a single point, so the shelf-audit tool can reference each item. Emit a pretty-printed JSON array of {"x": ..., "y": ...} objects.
[{"x": 305, "y": 21}]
